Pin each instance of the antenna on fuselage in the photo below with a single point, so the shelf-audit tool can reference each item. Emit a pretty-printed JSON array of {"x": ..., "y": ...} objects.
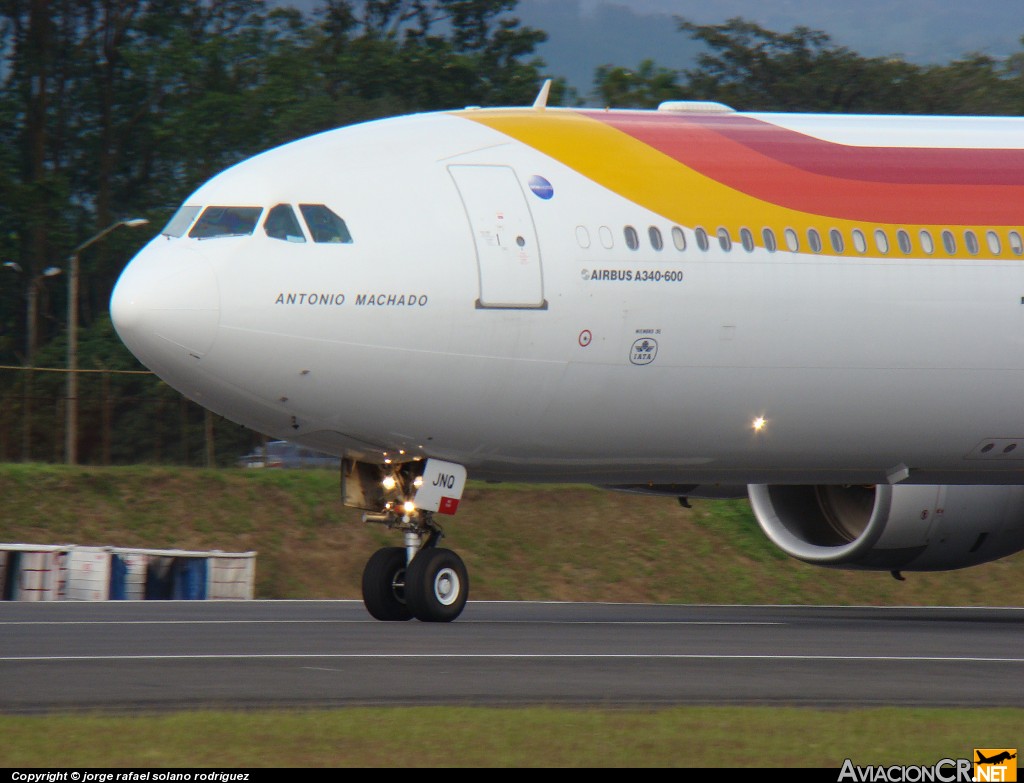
[{"x": 542, "y": 96}]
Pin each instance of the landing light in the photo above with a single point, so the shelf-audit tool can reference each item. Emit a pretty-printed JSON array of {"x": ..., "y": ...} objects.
[
  {"x": 409, "y": 507},
  {"x": 389, "y": 482},
  {"x": 417, "y": 482},
  {"x": 759, "y": 424}
]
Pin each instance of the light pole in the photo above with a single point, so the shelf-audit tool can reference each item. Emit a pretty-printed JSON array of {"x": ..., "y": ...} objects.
[
  {"x": 31, "y": 340},
  {"x": 71, "y": 425},
  {"x": 32, "y": 296}
]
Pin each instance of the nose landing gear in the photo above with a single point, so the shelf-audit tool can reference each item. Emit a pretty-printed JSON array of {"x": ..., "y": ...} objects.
[{"x": 420, "y": 580}]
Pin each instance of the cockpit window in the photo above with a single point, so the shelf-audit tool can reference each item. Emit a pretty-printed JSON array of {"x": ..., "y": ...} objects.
[
  {"x": 324, "y": 225},
  {"x": 281, "y": 223},
  {"x": 178, "y": 225},
  {"x": 225, "y": 222}
]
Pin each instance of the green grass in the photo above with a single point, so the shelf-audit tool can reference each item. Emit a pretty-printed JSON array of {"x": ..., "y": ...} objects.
[
  {"x": 522, "y": 737},
  {"x": 519, "y": 542}
]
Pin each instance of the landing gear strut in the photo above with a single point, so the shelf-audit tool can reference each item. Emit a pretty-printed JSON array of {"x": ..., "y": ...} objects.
[{"x": 420, "y": 580}]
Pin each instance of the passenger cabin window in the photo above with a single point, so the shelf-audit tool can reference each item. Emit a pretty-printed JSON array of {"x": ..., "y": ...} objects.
[
  {"x": 903, "y": 240},
  {"x": 835, "y": 237},
  {"x": 860, "y": 243},
  {"x": 678, "y": 238},
  {"x": 881, "y": 241},
  {"x": 971, "y": 240},
  {"x": 655, "y": 236},
  {"x": 747, "y": 240},
  {"x": 178, "y": 225},
  {"x": 632, "y": 240},
  {"x": 792, "y": 240},
  {"x": 225, "y": 222},
  {"x": 949, "y": 242},
  {"x": 927, "y": 244},
  {"x": 814, "y": 239},
  {"x": 702, "y": 238},
  {"x": 995, "y": 247},
  {"x": 769, "y": 240},
  {"x": 281, "y": 223},
  {"x": 724, "y": 240},
  {"x": 324, "y": 225},
  {"x": 1016, "y": 245}
]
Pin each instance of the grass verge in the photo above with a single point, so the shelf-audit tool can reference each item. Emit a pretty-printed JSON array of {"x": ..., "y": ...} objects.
[{"x": 521, "y": 737}]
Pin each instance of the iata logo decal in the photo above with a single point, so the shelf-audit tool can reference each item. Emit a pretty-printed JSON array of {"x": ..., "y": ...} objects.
[{"x": 643, "y": 351}]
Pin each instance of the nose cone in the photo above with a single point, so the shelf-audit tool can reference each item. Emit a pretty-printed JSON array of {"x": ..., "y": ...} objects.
[{"x": 166, "y": 304}]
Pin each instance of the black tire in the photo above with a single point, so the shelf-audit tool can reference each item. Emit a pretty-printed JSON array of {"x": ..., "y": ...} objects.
[
  {"x": 384, "y": 585},
  {"x": 436, "y": 585}
]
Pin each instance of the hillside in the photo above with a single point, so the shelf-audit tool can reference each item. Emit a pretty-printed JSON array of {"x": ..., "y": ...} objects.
[{"x": 518, "y": 541}]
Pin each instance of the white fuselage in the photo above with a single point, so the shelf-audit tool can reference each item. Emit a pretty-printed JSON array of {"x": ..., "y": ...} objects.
[{"x": 480, "y": 320}]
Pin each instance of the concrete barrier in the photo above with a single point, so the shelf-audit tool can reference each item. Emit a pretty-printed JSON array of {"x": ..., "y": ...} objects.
[
  {"x": 76, "y": 573},
  {"x": 31, "y": 572}
]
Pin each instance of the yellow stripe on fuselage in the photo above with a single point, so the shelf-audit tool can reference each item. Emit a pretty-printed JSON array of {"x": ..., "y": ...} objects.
[{"x": 648, "y": 177}]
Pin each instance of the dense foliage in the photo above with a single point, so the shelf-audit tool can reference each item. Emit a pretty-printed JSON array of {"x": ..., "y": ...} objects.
[{"x": 755, "y": 69}]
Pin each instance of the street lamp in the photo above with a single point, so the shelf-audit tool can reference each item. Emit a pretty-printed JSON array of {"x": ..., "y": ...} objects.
[
  {"x": 32, "y": 296},
  {"x": 71, "y": 426},
  {"x": 31, "y": 330}
]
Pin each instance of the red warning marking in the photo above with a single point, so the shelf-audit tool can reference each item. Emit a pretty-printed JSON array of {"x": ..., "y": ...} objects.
[{"x": 448, "y": 506}]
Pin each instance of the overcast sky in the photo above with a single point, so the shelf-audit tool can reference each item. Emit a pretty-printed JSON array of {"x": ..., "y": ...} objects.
[
  {"x": 584, "y": 34},
  {"x": 587, "y": 33}
]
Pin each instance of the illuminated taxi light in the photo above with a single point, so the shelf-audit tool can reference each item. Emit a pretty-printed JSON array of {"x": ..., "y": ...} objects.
[
  {"x": 409, "y": 507},
  {"x": 417, "y": 482},
  {"x": 759, "y": 423},
  {"x": 389, "y": 482}
]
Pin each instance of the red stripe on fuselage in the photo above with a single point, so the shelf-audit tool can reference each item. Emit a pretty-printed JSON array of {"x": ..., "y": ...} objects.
[{"x": 912, "y": 185}]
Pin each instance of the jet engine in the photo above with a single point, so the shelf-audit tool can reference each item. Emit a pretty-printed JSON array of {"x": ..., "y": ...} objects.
[{"x": 892, "y": 527}]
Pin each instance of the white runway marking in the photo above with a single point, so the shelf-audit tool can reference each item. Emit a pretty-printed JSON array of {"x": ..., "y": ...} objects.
[
  {"x": 514, "y": 656},
  {"x": 369, "y": 621}
]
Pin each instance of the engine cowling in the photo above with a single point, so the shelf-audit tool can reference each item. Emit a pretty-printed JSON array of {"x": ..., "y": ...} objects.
[{"x": 892, "y": 527}]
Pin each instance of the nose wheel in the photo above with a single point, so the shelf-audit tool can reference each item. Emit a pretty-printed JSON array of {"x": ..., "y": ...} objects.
[
  {"x": 384, "y": 585},
  {"x": 436, "y": 585},
  {"x": 432, "y": 586}
]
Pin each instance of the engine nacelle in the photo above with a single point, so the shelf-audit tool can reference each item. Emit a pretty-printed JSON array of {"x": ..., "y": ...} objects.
[{"x": 892, "y": 527}]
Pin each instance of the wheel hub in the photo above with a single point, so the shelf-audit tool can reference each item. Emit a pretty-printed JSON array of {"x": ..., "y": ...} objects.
[{"x": 446, "y": 586}]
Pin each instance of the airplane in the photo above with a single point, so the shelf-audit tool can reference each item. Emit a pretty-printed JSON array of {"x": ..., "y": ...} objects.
[
  {"x": 996, "y": 759},
  {"x": 823, "y": 313}
]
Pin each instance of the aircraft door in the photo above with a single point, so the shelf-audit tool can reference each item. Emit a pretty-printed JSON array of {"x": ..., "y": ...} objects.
[{"x": 507, "y": 251}]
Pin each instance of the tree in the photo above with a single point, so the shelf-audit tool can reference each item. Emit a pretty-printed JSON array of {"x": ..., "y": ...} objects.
[
  {"x": 641, "y": 88},
  {"x": 753, "y": 68},
  {"x": 120, "y": 108}
]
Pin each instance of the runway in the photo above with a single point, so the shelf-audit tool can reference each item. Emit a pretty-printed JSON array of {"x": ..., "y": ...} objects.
[{"x": 171, "y": 655}]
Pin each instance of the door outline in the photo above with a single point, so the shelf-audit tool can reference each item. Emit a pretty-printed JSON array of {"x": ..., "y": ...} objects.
[{"x": 498, "y": 214}]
